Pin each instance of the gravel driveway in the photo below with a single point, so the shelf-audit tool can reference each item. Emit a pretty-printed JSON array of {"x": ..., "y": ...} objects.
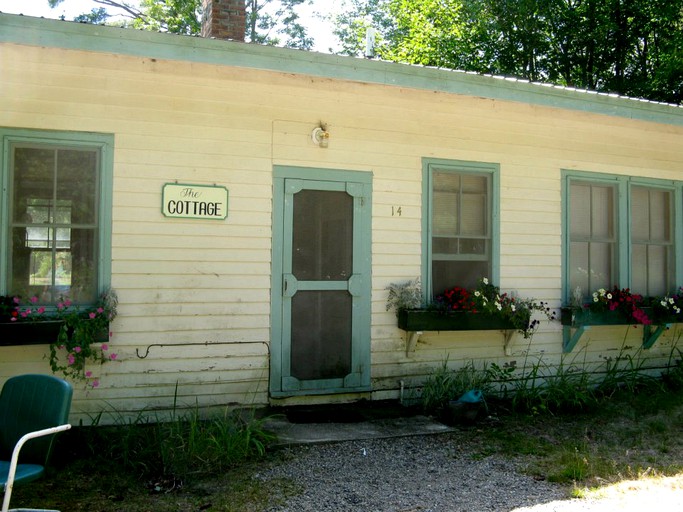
[{"x": 429, "y": 473}]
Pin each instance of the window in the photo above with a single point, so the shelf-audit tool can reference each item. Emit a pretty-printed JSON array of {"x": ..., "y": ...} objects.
[
  {"x": 55, "y": 230},
  {"x": 458, "y": 232},
  {"x": 621, "y": 232}
]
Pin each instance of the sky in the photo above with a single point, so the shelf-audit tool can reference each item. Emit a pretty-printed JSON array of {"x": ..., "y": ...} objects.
[{"x": 320, "y": 30}]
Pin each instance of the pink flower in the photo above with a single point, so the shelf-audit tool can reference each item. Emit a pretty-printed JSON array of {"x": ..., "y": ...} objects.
[
  {"x": 13, "y": 319},
  {"x": 95, "y": 383},
  {"x": 77, "y": 350},
  {"x": 92, "y": 315},
  {"x": 100, "y": 310},
  {"x": 16, "y": 300},
  {"x": 60, "y": 306},
  {"x": 105, "y": 347},
  {"x": 112, "y": 356},
  {"x": 41, "y": 310},
  {"x": 67, "y": 303},
  {"x": 71, "y": 359},
  {"x": 88, "y": 374},
  {"x": 34, "y": 299}
]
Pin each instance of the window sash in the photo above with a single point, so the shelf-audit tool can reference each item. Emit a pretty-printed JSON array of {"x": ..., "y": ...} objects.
[
  {"x": 629, "y": 240},
  {"x": 459, "y": 245},
  {"x": 57, "y": 216}
]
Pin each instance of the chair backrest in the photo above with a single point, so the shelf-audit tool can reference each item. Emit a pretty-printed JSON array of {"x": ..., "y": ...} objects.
[{"x": 29, "y": 403}]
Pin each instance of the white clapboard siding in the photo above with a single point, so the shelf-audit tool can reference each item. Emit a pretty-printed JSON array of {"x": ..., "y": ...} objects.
[{"x": 195, "y": 295}]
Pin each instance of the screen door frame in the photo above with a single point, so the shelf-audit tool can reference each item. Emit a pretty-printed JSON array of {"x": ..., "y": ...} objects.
[{"x": 286, "y": 182}]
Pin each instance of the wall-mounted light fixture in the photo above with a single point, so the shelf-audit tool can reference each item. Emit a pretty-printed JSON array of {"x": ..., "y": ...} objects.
[{"x": 320, "y": 136}]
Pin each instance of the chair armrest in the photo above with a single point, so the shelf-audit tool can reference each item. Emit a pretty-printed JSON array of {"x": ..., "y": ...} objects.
[{"x": 15, "y": 457}]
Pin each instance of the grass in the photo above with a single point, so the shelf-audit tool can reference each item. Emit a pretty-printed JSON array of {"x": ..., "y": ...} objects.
[{"x": 567, "y": 429}]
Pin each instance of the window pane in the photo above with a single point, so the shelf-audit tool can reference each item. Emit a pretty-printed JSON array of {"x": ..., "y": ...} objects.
[
  {"x": 640, "y": 229},
  {"x": 76, "y": 186},
  {"x": 602, "y": 212},
  {"x": 53, "y": 246},
  {"x": 580, "y": 215},
  {"x": 447, "y": 274},
  {"x": 461, "y": 219},
  {"x": 651, "y": 237},
  {"x": 592, "y": 254}
]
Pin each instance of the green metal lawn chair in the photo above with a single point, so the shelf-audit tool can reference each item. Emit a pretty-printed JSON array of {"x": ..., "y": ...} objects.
[{"x": 33, "y": 408}]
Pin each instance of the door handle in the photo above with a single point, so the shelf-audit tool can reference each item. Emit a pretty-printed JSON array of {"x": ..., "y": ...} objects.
[{"x": 289, "y": 285}]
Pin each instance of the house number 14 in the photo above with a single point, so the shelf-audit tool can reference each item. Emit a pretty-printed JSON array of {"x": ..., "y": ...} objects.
[{"x": 396, "y": 211}]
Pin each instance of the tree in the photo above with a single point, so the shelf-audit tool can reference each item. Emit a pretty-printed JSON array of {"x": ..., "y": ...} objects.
[
  {"x": 270, "y": 22},
  {"x": 631, "y": 47}
]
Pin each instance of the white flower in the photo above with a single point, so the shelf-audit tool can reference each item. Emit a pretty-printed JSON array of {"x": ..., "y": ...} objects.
[
  {"x": 477, "y": 293},
  {"x": 602, "y": 291},
  {"x": 512, "y": 306},
  {"x": 485, "y": 280},
  {"x": 662, "y": 302},
  {"x": 677, "y": 309},
  {"x": 499, "y": 306},
  {"x": 609, "y": 296},
  {"x": 595, "y": 295},
  {"x": 671, "y": 300},
  {"x": 595, "y": 298}
]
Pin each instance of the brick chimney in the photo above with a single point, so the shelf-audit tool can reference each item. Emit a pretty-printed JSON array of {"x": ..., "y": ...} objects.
[{"x": 224, "y": 19}]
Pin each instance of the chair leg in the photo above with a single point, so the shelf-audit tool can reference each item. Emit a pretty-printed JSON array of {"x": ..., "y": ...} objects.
[{"x": 15, "y": 459}]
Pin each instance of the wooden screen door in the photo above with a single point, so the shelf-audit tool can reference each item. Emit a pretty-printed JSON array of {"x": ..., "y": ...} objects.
[{"x": 321, "y": 317}]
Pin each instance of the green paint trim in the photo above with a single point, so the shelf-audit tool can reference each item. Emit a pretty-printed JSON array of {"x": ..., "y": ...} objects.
[
  {"x": 324, "y": 179},
  {"x": 97, "y": 38},
  {"x": 623, "y": 187},
  {"x": 429, "y": 165},
  {"x": 105, "y": 143}
]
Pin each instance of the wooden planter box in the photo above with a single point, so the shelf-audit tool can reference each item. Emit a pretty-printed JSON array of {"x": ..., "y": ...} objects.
[
  {"x": 36, "y": 333},
  {"x": 415, "y": 321},
  {"x": 29, "y": 333},
  {"x": 574, "y": 317},
  {"x": 425, "y": 320},
  {"x": 582, "y": 320}
]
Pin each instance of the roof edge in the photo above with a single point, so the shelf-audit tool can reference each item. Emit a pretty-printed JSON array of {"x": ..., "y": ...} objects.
[{"x": 19, "y": 29}]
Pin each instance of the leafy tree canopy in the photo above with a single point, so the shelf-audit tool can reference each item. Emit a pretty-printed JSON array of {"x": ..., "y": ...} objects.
[
  {"x": 630, "y": 47},
  {"x": 271, "y": 22}
]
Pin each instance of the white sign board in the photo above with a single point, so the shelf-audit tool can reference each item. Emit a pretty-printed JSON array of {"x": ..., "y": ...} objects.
[{"x": 194, "y": 201}]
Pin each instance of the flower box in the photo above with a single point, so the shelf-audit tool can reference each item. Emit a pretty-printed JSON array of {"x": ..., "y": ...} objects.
[
  {"x": 29, "y": 333},
  {"x": 574, "y": 317},
  {"x": 426, "y": 320},
  {"x": 42, "y": 332}
]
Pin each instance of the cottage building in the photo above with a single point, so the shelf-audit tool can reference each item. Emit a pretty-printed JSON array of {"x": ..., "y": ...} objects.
[{"x": 250, "y": 205}]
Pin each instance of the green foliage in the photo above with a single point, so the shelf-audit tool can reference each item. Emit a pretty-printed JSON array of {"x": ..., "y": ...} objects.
[
  {"x": 270, "y": 22},
  {"x": 184, "y": 447},
  {"x": 445, "y": 384},
  {"x": 175, "y": 16},
  {"x": 405, "y": 295},
  {"x": 568, "y": 387},
  {"x": 633, "y": 48},
  {"x": 487, "y": 298},
  {"x": 275, "y": 22}
]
